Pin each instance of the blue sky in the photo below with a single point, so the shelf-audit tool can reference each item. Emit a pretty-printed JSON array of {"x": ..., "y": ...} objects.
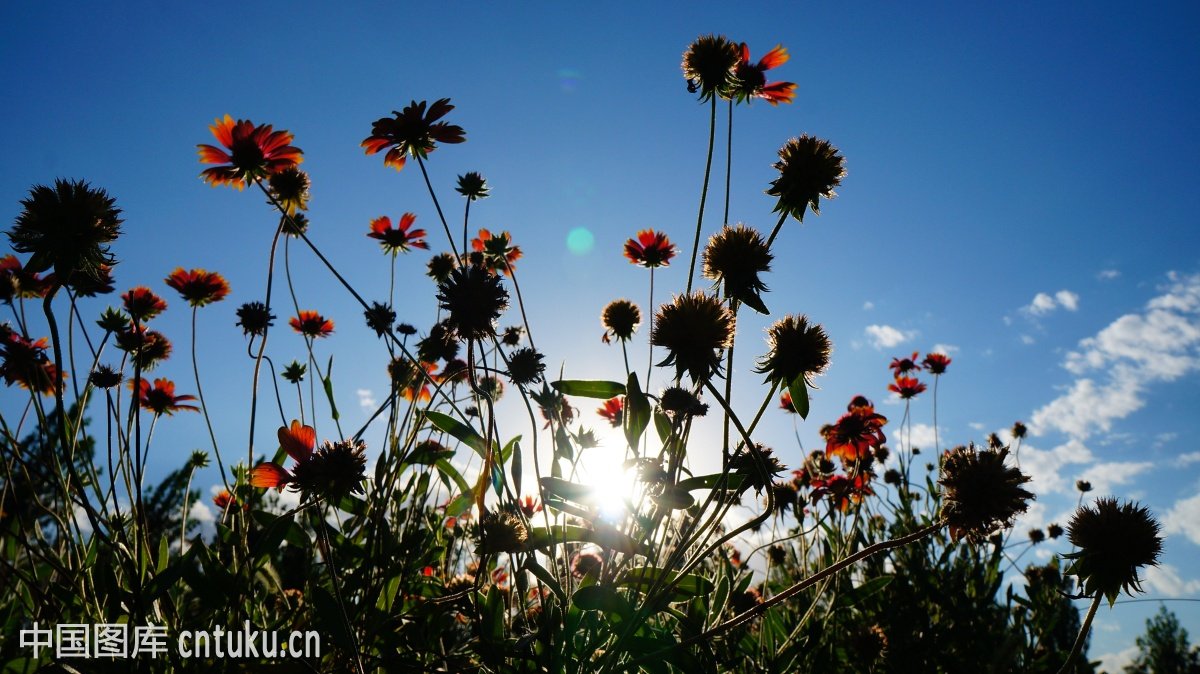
[{"x": 1021, "y": 187}]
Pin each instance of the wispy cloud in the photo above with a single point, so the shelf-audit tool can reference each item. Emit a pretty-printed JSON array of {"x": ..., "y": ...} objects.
[
  {"x": 1184, "y": 518},
  {"x": 946, "y": 349},
  {"x": 1188, "y": 459},
  {"x": 886, "y": 337},
  {"x": 1044, "y": 303},
  {"x": 366, "y": 399}
]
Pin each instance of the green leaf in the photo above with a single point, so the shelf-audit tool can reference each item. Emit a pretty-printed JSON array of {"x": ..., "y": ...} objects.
[
  {"x": 545, "y": 576},
  {"x": 799, "y": 390},
  {"x": 562, "y": 444},
  {"x": 589, "y": 388},
  {"x": 643, "y": 578},
  {"x": 275, "y": 528},
  {"x": 541, "y": 537},
  {"x": 457, "y": 429},
  {"x": 516, "y": 468},
  {"x": 662, "y": 424},
  {"x": 675, "y": 499},
  {"x": 604, "y": 599},
  {"x": 327, "y": 382},
  {"x": 637, "y": 411},
  {"x": 447, "y": 469},
  {"x": 568, "y": 491},
  {"x": 460, "y": 504}
]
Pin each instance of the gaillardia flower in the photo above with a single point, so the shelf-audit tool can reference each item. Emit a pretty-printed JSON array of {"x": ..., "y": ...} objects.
[
  {"x": 147, "y": 348},
  {"x": 809, "y": 168},
  {"x": 251, "y": 153},
  {"x": 142, "y": 304},
  {"x": 440, "y": 344},
  {"x": 15, "y": 282},
  {"x": 440, "y": 266},
  {"x": 798, "y": 349},
  {"x": 290, "y": 188},
  {"x": 650, "y": 249},
  {"x": 472, "y": 186},
  {"x": 161, "y": 398},
  {"x": 331, "y": 472},
  {"x": 906, "y": 387},
  {"x": 501, "y": 532},
  {"x": 981, "y": 494},
  {"x": 856, "y": 434},
  {"x": 613, "y": 410},
  {"x": 750, "y": 79},
  {"x": 411, "y": 379},
  {"x": 24, "y": 362},
  {"x": 901, "y": 366},
  {"x": 412, "y": 132},
  {"x": 735, "y": 256},
  {"x": 399, "y": 239},
  {"x": 254, "y": 318},
  {"x": 936, "y": 363},
  {"x": 473, "y": 298},
  {"x": 1114, "y": 541},
  {"x": 294, "y": 372},
  {"x": 67, "y": 228},
  {"x": 693, "y": 329},
  {"x": 498, "y": 252},
  {"x": 525, "y": 366},
  {"x": 708, "y": 65},
  {"x": 620, "y": 319},
  {"x": 311, "y": 324},
  {"x": 380, "y": 318},
  {"x": 198, "y": 287}
]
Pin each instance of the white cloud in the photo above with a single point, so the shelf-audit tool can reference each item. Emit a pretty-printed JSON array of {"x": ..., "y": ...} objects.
[
  {"x": 1165, "y": 580},
  {"x": 1184, "y": 518},
  {"x": 922, "y": 436},
  {"x": 886, "y": 337},
  {"x": 1041, "y": 304},
  {"x": 1187, "y": 459},
  {"x": 1027, "y": 340},
  {"x": 366, "y": 399},
  {"x": 978, "y": 426},
  {"x": 1088, "y": 406},
  {"x": 868, "y": 305},
  {"x": 1048, "y": 467},
  {"x": 945, "y": 349},
  {"x": 1115, "y": 662},
  {"x": 1067, "y": 300},
  {"x": 1108, "y": 274}
]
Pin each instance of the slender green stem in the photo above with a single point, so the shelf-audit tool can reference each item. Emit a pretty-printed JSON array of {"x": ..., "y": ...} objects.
[
  {"x": 1083, "y": 633},
  {"x": 204, "y": 410},
  {"x": 438, "y": 206},
  {"x": 650, "y": 335},
  {"x": 712, "y": 133},
  {"x": 775, "y": 232}
]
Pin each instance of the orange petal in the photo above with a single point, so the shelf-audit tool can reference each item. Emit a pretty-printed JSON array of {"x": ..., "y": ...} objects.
[
  {"x": 269, "y": 475},
  {"x": 298, "y": 441},
  {"x": 774, "y": 58}
]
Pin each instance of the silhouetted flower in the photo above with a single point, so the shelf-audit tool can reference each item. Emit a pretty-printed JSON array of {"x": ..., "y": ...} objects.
[
  {"x": 868, "y": 645},
  {"x": 406, "y": 329},
  {"x": 147, "y": 348},
  {"x": 613, "y": 410},
  {"x": 742, "y": 462},
  {"x": 1036, "y": 536},
  {"x": 161, "y": 398},
  {"x": 15, "y": 282},
  {"x": 472, "y": 186},
  {"x": 198, "y": 287},
  {"x": 750, "y": 79},
  {"x": 650, "y": 249},
  {"x": 1019, "y": 430},
  {"x": 500, "y": 532},
  {"x": 498, "y": 253},
  {"x": 24, "y": 362},
  {"x": 1083, "y": 486},
  {"x": 693, "y": 329},
  {"x": 142, "y": 304},
  {"x": 491, "y": 388},
  {"x": 412, "y": 132},
  {"x": 331, "y": 472},
  {"x": 981, "y": 494},
  {"x": 67, "y": 228},
  {"x": 254, "y": 318},
  {"x": 440, "y": 266},
  {"x": 511, "y": 336},
  {"x": 411, "y": 382},
  {"x": 84, "y": 285},
  {"x": 440, "y": 344},
  {"x": 735, "y": 256},
  {"x": 708, "y": 65},
  {"x": 380, "y": 318},
  {"x": 525, "y": 366},
  {"x": 905, "y": 365},
  {"x": 1114, "y": 541},
  {"x": 254, "y": 152},
  {"x": 295, "y": 225},
  {"x": 586, "y": 563},
  {"x": 620, "y": 319},
  {"x": 311, "y": 324},
  {"x": 104, "y": 377},
  {"x": 290, "y": 188},
  {"x": 936, "y": 363},
  {"x": 294, "y": 372},
  {"x": 1054, "y": 531},
  {"x": 906, "y": 387},
  {"x": 797, "y": 349},
  {"x": 473, "y": 299},
  {"x": 681, "y": 403},
  {"x": 399, "y": 239},
  {"x": 809, "y": 168}
]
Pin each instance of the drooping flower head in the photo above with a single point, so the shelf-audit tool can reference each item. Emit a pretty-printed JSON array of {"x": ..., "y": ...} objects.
[
  {"x": 311, "y": 324},
  {"x": 981, "y": 494},
  {"x": 472, "y": 186},
  {"x": 198, "y": 287},
  {"x": 15, "y": 282},
  {"x": 906, "y": 387},
  {"x": 750, "y": 79},
  {"x": 147, "y": 348},
  {"x": 500, "y": 532},
  {"x": 1114, "y": 541},
  {"x": 708, "y": 65},
  {"x": 161, "y": 398},
  {"x": 694, "y": 329},
  {"x": 901, "y": 366},
  {"x": 798, "y": 349},
  {"x": 613, "y": 410},
  {"x": 86, "y": 285},
  {"x": 936, "y": 363},
  {"x": 785, "y": 402},
  {"x": 473, "y": 298},
  {"x": 290, "y": 189},
  {"x": 620, "y": 319},
  {"x": 400, "y": 238},
  {"x": 142, "y": 304},
  {"x": 809, "y": 168},
  {"x": 254, "y": 318},
  {"x": 498, "y": 252},
  {"x": 251, "y": 153},
  {"x": 24, "y": 362},
  {"x": 650, "y": 249},
  {"x": 67, "y": 228},
  {"x": 412, "y": 132},
  {"x": 736, "y": 256}
]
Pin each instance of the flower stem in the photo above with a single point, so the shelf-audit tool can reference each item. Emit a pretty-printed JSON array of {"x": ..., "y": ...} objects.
[
  {"x": 728, "y": 161},
  {"x": 438, "y": 206},
  {"x": 712, "y": 133},
  {"x": 775, "y": 232},
  {"x": 1083, "y": 633},
  {"x": 207, "y": 421}
]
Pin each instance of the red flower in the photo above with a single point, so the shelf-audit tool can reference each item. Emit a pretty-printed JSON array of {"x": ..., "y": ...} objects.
[
  {"x": 198, "y": 287},
  {"x": 936, "y": 363},
  {"x": 785, "y": 402},
  {"x": 224, "y": 500},
  {"x": 311, "y": 324},
  {"x": 254, "y": 152},
  {"x": 613, "y": 410},
  {"x": 842, "y": 490},
  {"x": 25, "y": 362},
  {"x": 855, "y": 434},
  {"x": 161, "y": 399},
  {"x": 142, "y": 304},
  {"x": 906, "y": 387},
  {"x": 412, "y": 132},
  {"x": 529, "y": 505},
  {"x": 400, "y": 239},
  {"x": 418, "y": 389},
  {"x": 498, "y": 255},
  {"x": 902, "y": 365},
  {"x": 298, "y": 441},
  {"x": 750, "y": 80},
  {"x": 15, "y": 282},
  {"x": 651, "y": 249}
]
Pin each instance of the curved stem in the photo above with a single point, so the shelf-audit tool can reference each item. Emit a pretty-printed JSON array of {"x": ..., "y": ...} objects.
[
  {"x": 1083, "y": 633},
  {"x": 203, "y": 409},
  {"x": 712, "y": 132}
]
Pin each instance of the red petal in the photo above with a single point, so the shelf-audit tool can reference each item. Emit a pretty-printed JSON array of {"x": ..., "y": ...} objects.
[
  {"x": 268, "y": 475},
  {"x": 774, "y": 58},
  {"x": 298, "y": 441}
]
